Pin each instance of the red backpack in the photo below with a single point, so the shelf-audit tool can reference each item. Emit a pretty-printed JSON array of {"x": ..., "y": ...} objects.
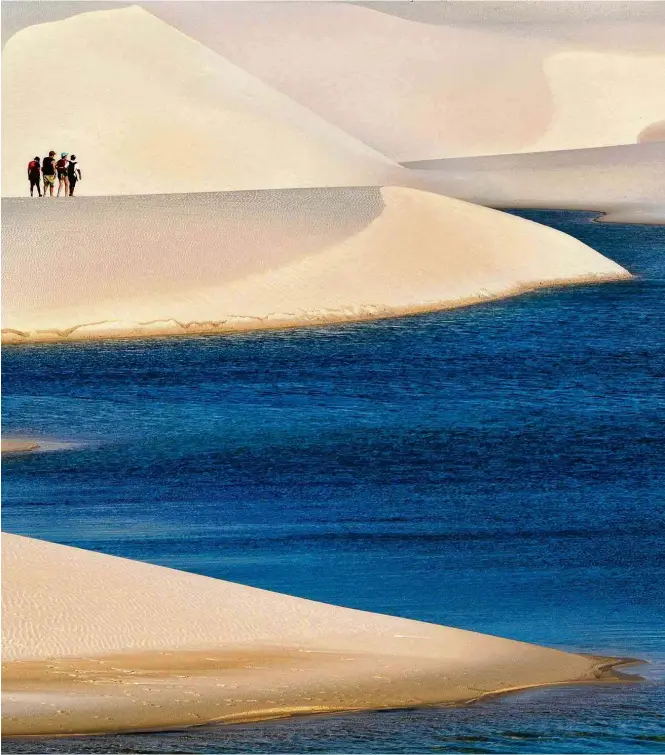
[{"x": 33, "y": 166}]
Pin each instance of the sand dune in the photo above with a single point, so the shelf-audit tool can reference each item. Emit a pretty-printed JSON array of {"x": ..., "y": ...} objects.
[
  {"x": 387, "y": 252},
  {"x": 475, "y": 83},
  {"x": 601, "y": 98},
  {"x": 148, "y": 110},
  {"x": 96, "y": 643},
  {"x": 625, "y": 181}
]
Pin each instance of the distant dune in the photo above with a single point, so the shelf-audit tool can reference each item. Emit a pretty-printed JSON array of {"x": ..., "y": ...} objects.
[
  {"x": 96, "y": 643},
  {"x": 475, "y": 83},
  {"x": 266, "y": 259},
  {"x": 148, "y": 110},
  {"x": 626, "y": 181},
  {"x": 653, "y": 133}
]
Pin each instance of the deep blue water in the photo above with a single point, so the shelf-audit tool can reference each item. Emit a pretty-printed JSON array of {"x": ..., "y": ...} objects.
[{"x": 499, "y": 468}]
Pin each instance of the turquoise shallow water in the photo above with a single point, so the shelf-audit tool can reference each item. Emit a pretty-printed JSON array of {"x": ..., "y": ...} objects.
[{"x": 497, "y": 468}]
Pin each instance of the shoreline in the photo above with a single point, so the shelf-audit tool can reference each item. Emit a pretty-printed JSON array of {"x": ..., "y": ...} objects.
[
  {"x": 599, "y": 215},
  {"x": 247, "y": 323},
  {"x": 321, "y": 694}
]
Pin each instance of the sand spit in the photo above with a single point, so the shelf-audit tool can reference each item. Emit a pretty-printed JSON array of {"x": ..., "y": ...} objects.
[
  {"x": 625, "y": 181},
  {"x": 18, "y": 445},
  {"x": 95, "y": 643},
  {"x": 150, "y": 110},
  {"x": 392, "y": 252}
]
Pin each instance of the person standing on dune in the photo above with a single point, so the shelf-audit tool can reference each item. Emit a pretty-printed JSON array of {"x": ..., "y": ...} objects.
[
  {"x": 73, "y": 173},
  {"x": 63, "y": 178},
  {"x": 48, "y": 171},
  {"x": 35, "y": 176}
]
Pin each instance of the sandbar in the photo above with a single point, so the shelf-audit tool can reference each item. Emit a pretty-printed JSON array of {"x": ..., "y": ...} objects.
[
  {"x": 95, "y": 643},
  {"x": 18, "y": 445}
]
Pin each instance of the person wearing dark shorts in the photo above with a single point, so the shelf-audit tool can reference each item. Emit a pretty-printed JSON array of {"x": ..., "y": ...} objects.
[
  {"x": 63, "y": 176},
  {"x": 35, "y": 176},
  {"x": 48, "y": 172},
  {"x": 74, "y": 174}
]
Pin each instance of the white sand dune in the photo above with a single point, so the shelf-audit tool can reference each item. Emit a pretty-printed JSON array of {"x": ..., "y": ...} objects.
[
  {"x": 93, "y": 642},
  {"x": 625, "y": 181},
  {"x": 396, "y": 251},
  {"x": 148, "y": 110},
  {"x": 475, "y": 83},
  {"x": 602, "y": 98}
]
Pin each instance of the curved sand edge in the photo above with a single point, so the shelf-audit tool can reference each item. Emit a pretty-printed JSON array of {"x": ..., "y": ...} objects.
[
  {"x": 120, "y": 329},
  {"x": 423, "y": 252},
  {"x": 96, "y": 643}
]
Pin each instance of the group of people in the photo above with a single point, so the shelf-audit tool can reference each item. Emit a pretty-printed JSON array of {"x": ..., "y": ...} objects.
[{"x": 66, "y": 170}]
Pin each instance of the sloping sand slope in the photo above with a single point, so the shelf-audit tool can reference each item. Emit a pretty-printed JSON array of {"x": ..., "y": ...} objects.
[
  {"x": 420, "y": 252},
  {"x": 94, "y": 643},
  {"x": 625, "y": 181},
  {"x": 469, "y": 86},
  {"x": 148, "y": 110}
]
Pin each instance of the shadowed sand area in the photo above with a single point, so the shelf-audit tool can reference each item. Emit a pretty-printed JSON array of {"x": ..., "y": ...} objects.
[
  {"x": 214, "y": 263},
  {"x": 137, "y": 646}
]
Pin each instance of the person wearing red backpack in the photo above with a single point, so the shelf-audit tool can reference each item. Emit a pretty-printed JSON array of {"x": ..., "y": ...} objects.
[{"x": 35, "y": 176}]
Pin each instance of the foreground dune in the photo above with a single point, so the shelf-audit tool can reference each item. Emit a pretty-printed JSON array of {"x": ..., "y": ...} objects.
[
  {"x": 267, "y": 259},
  {"x": 148, "y": 110},
  {"x": 625, "y": 181},
  {"x": 96, "y": 643}
]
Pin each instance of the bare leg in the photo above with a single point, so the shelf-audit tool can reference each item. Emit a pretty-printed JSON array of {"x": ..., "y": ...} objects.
[{"x": 61, "y": 183}]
